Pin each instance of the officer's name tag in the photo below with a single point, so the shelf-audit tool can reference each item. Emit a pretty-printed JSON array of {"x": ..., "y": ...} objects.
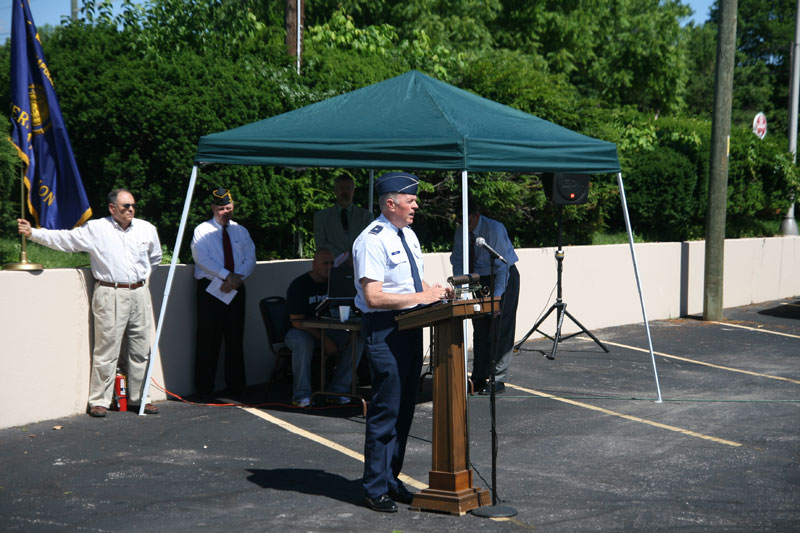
[{"x": 396, "y": 252}]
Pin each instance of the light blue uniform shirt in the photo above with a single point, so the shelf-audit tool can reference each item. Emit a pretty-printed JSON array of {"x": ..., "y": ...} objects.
[
  {"x": 496, "y": 236},
  {"x": 378, "y": 254}
]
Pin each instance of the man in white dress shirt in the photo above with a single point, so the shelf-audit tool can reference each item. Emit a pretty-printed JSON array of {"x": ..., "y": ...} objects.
[
  {"x": 123, "y": 251},
  {"x": 223, "y": 253}
]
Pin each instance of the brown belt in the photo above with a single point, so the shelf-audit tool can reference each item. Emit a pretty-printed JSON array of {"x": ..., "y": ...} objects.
[{"x": 122, "y": 285}]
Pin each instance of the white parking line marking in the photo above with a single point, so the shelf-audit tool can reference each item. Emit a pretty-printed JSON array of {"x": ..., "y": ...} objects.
[
  {"x": 323, "y": 441},
  {"x": 626, "y": 417},
  {"x": 762, "y": 330},
  {"x": 695, "y": 361}
]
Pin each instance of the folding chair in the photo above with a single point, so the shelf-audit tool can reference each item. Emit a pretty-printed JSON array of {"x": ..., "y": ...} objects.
[{"x": 275, "y": 314}]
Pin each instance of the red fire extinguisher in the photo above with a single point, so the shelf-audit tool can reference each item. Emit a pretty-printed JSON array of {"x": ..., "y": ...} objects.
[{"x": 120, "y": 392}]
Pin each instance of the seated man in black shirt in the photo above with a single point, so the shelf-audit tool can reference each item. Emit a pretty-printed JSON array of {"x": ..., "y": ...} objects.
[{"x": 303, "y": 296}]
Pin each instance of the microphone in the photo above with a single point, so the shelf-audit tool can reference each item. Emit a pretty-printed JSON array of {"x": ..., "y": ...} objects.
[
  {"x": 480, "y": 241},
  {"x": 464, "y": 280}
]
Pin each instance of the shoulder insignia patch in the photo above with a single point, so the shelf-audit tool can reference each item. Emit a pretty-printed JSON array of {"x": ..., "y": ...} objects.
[{"x": 375, "y": 230}]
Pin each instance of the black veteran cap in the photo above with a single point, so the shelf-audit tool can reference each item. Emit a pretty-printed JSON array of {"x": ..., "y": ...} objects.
[
  {"x": 221, "y": 196},
  {"x": 402, "y": 182}
]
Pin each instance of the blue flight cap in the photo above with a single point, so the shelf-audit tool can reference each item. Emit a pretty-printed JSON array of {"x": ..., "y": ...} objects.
[{"x": 402, "y": 182}]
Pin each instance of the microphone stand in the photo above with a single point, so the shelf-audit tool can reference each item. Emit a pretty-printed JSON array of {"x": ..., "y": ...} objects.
[{"x": 493, "y": 511}]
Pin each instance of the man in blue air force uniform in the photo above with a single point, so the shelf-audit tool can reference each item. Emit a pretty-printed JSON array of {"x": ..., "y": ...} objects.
[{"x": 388, "y": 267}]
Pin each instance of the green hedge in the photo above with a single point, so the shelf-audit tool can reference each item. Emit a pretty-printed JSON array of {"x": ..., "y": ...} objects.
[{"x": 134, "y": 120}]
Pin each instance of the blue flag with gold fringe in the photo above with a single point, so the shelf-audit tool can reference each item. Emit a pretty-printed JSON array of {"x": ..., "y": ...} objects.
[{"x": 56, "y": 197}]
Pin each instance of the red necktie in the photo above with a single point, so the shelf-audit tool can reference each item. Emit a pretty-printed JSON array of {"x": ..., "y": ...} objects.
[{"x": 227, "y": 249}]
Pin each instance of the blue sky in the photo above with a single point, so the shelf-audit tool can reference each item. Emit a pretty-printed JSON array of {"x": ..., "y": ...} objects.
[
  {"x": 43, "y": 11},
  {"x": 51, "y": 11},
  {"x": 700, "y": 8}
]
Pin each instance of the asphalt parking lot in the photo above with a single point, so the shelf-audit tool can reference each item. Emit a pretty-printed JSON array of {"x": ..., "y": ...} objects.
[{"x": 583, "y": 445}]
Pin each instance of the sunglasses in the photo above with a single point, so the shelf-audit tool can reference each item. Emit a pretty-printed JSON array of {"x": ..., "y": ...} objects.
[{"x": 128, "y": 206}]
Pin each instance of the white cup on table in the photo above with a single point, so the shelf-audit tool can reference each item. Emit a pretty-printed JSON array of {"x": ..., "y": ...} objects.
[{"x": 344, "y": 313}]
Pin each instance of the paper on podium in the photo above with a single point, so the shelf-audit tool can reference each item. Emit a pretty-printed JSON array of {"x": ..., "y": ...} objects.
[{"x": 214, "y": 290}]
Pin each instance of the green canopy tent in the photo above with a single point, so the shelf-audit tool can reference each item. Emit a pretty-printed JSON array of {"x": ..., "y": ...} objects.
[
  {"x": 410, "y": 122},
  {"x": 415, "y": 122}
]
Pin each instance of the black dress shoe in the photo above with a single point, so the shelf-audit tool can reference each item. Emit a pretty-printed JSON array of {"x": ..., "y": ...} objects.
[
  {"x": 149, "y": 409},
  {"x": 239, "y": 395},
  {"x": 477, "y": 385},
  {"x": 382, "y": 504},
  {"x": 201, "y": 398},
  {"x": 499, "y": 388},
  {"x": 401, "y": 495},
  {"x": 98, "y": 411}
]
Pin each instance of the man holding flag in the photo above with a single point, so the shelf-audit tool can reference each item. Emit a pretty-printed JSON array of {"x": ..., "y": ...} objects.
[
  {"x": 56, "y": 197},
  {"x": 123, "y": 250}
]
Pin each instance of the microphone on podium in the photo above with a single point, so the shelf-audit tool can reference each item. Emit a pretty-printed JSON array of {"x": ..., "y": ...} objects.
[
  {"x": 481, "y": 242},
  {"x": 464, "y": 280}
]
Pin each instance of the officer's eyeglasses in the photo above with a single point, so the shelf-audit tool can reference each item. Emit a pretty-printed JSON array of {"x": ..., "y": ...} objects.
[{"x": 128, "y": 206}]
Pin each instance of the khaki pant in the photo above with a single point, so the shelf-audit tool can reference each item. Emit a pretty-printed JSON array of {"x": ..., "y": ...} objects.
[{"x": 117, "y": 313}]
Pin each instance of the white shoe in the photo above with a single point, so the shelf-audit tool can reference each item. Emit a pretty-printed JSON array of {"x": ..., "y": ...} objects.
[{"x": 302, "y": 402}]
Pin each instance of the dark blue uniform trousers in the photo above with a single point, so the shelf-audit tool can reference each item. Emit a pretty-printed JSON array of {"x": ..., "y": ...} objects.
[{"x": 395, "y": 364}]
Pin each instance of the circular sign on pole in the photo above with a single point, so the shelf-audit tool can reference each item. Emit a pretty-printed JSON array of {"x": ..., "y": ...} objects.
[{"x": 760, "y": 125}]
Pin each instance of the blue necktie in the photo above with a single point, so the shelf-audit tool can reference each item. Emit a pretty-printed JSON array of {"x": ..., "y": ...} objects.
[{"x": 412, "y": 262}]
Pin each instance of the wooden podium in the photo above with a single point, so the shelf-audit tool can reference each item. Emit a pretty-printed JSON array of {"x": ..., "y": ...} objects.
[{"x": 450, "y": 479}]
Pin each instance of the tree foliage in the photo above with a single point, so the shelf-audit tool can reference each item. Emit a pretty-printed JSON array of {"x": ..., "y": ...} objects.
[
  {"x": 764, "y": 36},
  {"x": 140, "y": 86},
  {"x": 460, "y": 25},
  {"x": 624, "y": 51}
]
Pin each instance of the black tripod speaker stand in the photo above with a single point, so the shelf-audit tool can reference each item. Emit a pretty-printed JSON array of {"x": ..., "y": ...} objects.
[{"x": 560, "y": 307}]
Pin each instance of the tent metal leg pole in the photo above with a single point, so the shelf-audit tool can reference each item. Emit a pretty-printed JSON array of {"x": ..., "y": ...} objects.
[
  {"x": 154, "y": 347},
  {"x": 465, "y": 254},
  {"x": 465, "y": 269},
  {"x": 638, "y": 281}
]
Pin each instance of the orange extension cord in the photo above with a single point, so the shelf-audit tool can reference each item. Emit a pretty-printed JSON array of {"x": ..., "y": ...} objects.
[{"x": 239, "y": 404}]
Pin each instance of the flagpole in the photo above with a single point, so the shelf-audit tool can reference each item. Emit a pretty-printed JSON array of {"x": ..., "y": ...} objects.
[{"x": 23, "y": 256}]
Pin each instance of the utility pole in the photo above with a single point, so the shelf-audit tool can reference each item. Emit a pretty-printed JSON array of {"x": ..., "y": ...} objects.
[
  {"x": 789, "y": 224},
  {"x": 720, "y": 150},
  {"x": 74, "y": 10},
  {"x": 294, "y": 21},
  {"x": 295, "y": 18}
]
